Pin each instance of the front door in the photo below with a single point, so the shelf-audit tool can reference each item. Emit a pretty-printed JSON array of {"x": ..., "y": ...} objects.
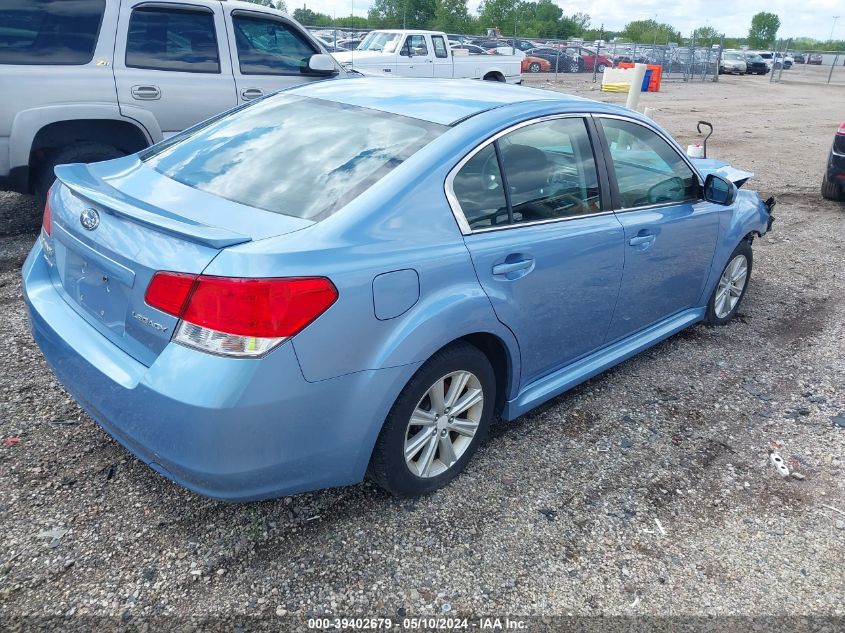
[
  {"x": 670, "y": 231},
  {"x": 269, "y": 53},
  {"x": 415, "y": 58},
  {"x": 546, "y": 253},
  {"x": 173, "y": 60}
]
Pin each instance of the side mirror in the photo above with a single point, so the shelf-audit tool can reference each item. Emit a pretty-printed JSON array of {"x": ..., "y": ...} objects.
[
  {"x": 719, "y": 191},
  {"x": 321, "y": 64}
]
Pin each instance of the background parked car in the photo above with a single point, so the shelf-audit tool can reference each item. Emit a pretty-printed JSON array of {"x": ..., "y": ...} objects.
[
  {"x": 799, "y": 58},
  {"x": 755, "y": 64},
  {"x": 815, "y": 59},
  {"x": 559, "y": 59},
  {"x": 535, "y": 65},
  {"x": 833, "y": 183},
  {"x": 590, "y": 59},
  {"x": 124, "y": 75},
  {"x": 733, "y": 63}
]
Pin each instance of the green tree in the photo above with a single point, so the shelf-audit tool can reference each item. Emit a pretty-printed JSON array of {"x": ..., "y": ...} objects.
[
  {"x": 452, "y": 16},
  {"x": 707, "y": 35},
  {"x": 413, "y": 14},
  {"x": 764, "y": 29},
  {"x": 648, "y": 31}
]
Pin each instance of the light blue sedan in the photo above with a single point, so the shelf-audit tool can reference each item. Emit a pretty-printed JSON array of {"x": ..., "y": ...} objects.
[{"x": 356, "y": 277}]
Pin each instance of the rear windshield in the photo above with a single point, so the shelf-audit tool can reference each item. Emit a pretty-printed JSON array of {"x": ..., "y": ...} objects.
[
  {"x": 292, "y": 155},
  {"x": 55, "y": 32}
]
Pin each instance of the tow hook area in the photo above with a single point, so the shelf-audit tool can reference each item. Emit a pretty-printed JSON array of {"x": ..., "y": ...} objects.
[{"x": 770, "y": 205}]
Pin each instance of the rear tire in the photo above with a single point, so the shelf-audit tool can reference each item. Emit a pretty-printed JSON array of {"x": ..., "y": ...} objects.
[
  {"x": 87, "y": 152},
  {"x": 534, "y": 67},
  {"x": 420, "y": 473},
  {"x": 831, "y": 190},
  {"x": 730, "y": 289},
  {"x": 601, "y": 68}
]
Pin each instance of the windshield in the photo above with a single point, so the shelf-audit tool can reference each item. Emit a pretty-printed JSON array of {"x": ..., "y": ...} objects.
[
  {"x": 381, "y": 42},
  {"x": 293, "y": 155},
  {"x": 734, "y": 57},
  {"x": 754, "y": 58}
]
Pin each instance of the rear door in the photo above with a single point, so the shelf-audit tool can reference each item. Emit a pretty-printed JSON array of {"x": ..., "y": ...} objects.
[
  {"x": 415, "y": 57},
  {"x": 670, "y": 231},
  {"x": 269, "y": 52},
  {"x": 173, "y": 60},
  {"x": 545, "y": 250}
]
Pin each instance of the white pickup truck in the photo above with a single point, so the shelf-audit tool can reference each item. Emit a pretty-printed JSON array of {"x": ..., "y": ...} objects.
[{"x": 406, "y": 53}]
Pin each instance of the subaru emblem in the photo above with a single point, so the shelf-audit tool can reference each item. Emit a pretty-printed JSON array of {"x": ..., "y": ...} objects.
[{"x": 89, "y": 219}]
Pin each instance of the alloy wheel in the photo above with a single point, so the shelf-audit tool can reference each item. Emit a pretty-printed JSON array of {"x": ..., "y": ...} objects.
[
  {"x": 731, "y": 285},
  {"x": 443, "y": 424}
]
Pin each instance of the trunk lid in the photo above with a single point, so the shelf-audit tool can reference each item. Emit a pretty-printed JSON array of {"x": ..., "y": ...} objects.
[{"x": 115, "y": 224}]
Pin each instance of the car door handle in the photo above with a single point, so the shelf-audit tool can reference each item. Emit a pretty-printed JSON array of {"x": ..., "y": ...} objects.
[
  {"x": 146, "y": 93},
  {"x": 251, "y": 93},
  {"x": 512, "y": 267},
  {"x": 643, "y": 240}
]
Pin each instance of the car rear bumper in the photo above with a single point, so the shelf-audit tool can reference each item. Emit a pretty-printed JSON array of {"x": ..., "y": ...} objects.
[{"x": 233, "y": 429}]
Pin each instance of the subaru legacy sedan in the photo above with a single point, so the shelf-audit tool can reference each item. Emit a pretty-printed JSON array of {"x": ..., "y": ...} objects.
[{"x": 356, "y": 277}]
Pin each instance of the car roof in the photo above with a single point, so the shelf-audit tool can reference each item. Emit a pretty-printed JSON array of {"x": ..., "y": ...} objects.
[{"x": 443, "y": 101}]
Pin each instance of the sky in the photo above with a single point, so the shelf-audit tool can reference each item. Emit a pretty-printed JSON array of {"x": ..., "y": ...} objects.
[{"x": 809, "y": 18}]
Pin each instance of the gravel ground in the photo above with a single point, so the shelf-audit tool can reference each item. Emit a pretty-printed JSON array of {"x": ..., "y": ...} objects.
[{"x": 646, "y": 491}]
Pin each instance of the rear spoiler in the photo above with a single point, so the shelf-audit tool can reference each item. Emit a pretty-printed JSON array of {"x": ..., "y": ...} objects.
[{"x": 79, "y": 179}]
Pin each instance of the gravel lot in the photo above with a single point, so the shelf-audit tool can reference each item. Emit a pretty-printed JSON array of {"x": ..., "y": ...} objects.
[{"x": 646, "y": 491}]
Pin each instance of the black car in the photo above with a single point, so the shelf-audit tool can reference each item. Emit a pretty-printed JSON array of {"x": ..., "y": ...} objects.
[
  {"x": 799, "y": 58},
  {"x": 566, "y": 63},
  {"x": 755, "y": 64},
  {"x": 833, "y": 183}
]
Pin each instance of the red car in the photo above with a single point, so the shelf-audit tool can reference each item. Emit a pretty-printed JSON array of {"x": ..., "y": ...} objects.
[{"x": 590, "y": 60}]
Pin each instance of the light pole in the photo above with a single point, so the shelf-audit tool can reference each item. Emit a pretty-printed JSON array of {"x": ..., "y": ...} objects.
[{"x": 835, "y": 18}]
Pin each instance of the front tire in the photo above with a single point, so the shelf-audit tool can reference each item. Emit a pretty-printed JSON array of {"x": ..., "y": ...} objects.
[
  {"x": 731, "y": 287},
  {"x": 533, "y": 67},
  {"x": 831, "y": 190},
  {"x": 601, "y": 68},
  {"x": 436, "y": 423}
]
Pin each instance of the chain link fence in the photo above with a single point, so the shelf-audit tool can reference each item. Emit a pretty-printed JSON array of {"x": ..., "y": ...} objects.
[
  {"x": 692, "y": 62},
  {"x": 810, "y": 67}
]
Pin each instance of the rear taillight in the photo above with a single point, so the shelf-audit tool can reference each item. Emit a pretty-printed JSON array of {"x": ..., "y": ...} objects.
[
  {"x": 45, "y": 220},
  {"x": 237, "y": 316},
  {"x": 841, "y": 130}
]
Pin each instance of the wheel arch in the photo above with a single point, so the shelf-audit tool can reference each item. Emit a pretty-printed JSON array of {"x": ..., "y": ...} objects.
[
  {"x": 38, "y": 130},
  {"x": 494, "y": 75}
]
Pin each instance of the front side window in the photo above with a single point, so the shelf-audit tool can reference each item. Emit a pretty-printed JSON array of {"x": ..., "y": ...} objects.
[
  {"x": 415, "y": 45},
  {"x": 172, "y": 39},
  {"x": 54, "y": 32},
  {"x": 543, "y": 171},
  {"x": 439, "y": 47},
  {"x": 648, "y": 170},
  {"x": 283, "y": 154},
  {"x": 270, "y": 47}
]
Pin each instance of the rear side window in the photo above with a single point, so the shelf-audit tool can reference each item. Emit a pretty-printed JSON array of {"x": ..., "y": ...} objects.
[
  {"x": 439, "y": 47},
  {"x": 292, "y": 155},
  {"x": 549, "y": 174},
  {"x": 270, "y": 47},
  {"x": 52, "y": 32},
  {"x": 171, "y": 39}
]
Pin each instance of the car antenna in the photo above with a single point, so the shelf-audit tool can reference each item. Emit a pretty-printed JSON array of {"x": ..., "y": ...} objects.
[{"x": 709, "y": 134}]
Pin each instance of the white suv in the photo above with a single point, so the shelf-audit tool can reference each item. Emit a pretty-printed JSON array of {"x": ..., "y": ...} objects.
[{"x": 90, "y": 80}]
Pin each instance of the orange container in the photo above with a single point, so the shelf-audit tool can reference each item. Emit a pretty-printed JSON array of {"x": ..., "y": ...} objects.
[{"x": 656, "y": 74}]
